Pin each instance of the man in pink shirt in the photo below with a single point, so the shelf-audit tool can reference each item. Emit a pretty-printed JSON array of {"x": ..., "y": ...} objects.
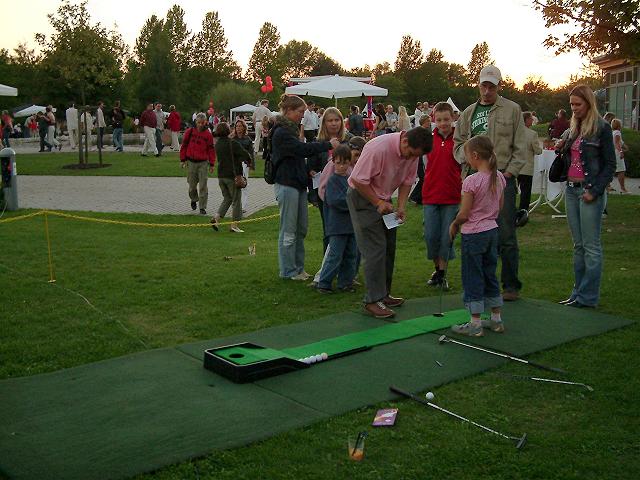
[{"x": 388, "y": 163}]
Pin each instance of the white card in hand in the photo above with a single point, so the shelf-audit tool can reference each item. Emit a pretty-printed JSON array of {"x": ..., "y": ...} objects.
[{"x": 391, "y": 221}]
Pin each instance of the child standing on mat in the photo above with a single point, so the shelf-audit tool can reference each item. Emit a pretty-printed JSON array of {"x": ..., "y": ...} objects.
[
  {"x": 440, "y": 195},
  {"x": 482, "y": 199},
  {"x": 341, "y": 254}
]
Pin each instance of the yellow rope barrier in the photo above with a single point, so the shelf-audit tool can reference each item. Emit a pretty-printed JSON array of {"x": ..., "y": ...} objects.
[{"x": 133, "y": 224}]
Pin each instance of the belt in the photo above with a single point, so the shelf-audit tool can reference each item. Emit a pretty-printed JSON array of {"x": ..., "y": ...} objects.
[{"x": 576, "y": 184}]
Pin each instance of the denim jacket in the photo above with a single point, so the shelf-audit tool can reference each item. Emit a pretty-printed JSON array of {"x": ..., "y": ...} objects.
[{"x": 598, "y": 158}]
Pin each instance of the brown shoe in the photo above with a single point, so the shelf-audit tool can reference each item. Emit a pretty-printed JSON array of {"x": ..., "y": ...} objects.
[
  {"x": 379, "y": 310},
  {"x": 510, "y": 296},
  {"x": 390, "y": 301}
]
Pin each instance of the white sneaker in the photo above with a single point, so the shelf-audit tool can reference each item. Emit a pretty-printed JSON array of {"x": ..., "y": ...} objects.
[
  {"x": 302, "y": 276},
  {"x": 236, "y": 230}
]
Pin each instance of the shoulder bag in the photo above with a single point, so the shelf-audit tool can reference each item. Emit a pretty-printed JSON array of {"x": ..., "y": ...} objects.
[{"x": 239, "y": 179}]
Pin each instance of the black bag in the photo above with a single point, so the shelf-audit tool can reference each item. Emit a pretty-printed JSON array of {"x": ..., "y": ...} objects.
[
  {"x": 559, "y": 167},
  {"x": 269, "y": 167}
]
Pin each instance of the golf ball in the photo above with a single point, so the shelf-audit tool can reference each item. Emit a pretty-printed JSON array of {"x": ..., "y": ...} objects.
[
  {"x": 312, "y": 359},
  {"x": 319, "y": 358},
  {"x": 324, "y": 356},
  {"x": 430, "y": 396}
]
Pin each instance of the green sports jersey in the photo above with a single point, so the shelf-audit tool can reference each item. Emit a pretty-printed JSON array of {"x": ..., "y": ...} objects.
[{"x": 480, "y": 120}]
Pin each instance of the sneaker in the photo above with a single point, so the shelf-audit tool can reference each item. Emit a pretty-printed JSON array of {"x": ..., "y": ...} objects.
[
  {"x": 356, "y": 283},
  {"x": 435, "y": 279},
  {"x": 193, "y": 205},
  {"x": 301, "y": 277},
  {"x": 348, "y": 289},
  {"x": 203, "y": 211},
  {"x": 379, "y": 310},
  {"x": 214, "y": 222},
  {"x": 235, "y": 229},
  {"x": 497, "y": 327},
  {"x": 468, "y": 329},
  {"x": 390, "y": 301},
  {"x": 324, "y": 291}
]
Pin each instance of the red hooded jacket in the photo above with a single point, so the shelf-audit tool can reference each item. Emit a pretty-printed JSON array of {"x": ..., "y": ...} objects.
[{"x": 197, "y": 146}]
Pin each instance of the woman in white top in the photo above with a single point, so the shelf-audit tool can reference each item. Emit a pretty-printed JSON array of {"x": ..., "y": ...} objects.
[{"x": 618, "y": 143}]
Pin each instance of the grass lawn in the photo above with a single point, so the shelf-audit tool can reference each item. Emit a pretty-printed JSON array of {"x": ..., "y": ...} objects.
[
  {"x": 130, "y": 164},
  {"x": 148, "y": 288}
]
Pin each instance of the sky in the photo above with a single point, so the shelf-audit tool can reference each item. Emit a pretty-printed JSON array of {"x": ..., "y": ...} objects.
[{"x": 353, "y": 33}]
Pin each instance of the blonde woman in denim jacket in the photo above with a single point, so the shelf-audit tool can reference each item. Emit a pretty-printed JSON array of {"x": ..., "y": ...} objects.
[{"x": 590, "y": 162}]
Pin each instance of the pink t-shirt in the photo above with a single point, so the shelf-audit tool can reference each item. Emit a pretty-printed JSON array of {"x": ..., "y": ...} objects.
[
  {"x": 575, "y": 169},
  {"x": 486, "y": 204},
  {"x": 382, "y": 167}
]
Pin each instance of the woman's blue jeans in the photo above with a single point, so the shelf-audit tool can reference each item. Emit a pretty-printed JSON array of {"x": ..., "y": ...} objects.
[
  {"x": 585, "y": 223},
  {"x": 293, "y": 229}
]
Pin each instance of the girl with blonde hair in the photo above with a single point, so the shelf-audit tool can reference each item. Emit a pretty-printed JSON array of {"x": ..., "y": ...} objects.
[{"x": 404, "y": 121}]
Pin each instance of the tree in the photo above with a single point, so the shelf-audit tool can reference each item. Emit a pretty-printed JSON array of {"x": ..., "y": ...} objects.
[
  {"x": 266, "y": 55},
  {"x": 298, "y": 59},
  {"x": 326, "y": 65},
  {"x": 457, "y": 75},
  {"x": 210, "y": 49},
  {"x": 409, "y": 56},
  {"x": 602, "y": 26},
  {"x": 179, "y": 37},
  {"x": 434, "y": 56},
  {"x": 534, "y": 86},
  {"x": 480, "y": 58},
  {"x": 157, "y": 70},
  {"x": 80, "y": 57},
  {"x": 381, "y": 69},
  {"x": 230, "y": 94}
]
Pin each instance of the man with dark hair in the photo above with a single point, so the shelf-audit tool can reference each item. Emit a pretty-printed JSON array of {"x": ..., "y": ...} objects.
[
  {"x": 356, "y": 122},
  {"x": 117, "y": 121},
  {"x": 101, "y": 124},
  {"x": 501, "y": 120},
  {"x": 387, "y": 163},
  {"x": 310, "y": 122}
]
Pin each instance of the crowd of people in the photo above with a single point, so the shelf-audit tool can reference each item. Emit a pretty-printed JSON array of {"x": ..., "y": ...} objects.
[{"x": 474, "y": 163}]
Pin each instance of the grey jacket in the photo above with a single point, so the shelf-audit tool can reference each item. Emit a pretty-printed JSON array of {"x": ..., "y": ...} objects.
[
  {"x": 533, "y": 148},
  {"x": 506, "y": 130}
]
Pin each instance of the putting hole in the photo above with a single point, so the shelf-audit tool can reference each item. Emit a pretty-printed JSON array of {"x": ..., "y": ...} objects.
[{"x": 237, "y": 355}]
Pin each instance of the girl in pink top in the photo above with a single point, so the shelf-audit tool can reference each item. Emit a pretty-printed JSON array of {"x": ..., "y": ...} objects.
[{"x": 482, "y": 199}]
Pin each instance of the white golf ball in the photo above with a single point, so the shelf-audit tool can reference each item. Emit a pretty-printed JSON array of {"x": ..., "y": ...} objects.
[
  {"x": 312, "y": 359},
  {"x": 319, "y": 358},
  {"x": 430, "y": 396},
  {"x": 324, "y": 356}
]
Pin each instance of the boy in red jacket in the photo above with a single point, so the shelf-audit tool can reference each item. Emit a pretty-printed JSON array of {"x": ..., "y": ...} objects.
[
  {"x": 441, "y": 194},
  {"x": 196, "y": 150}
]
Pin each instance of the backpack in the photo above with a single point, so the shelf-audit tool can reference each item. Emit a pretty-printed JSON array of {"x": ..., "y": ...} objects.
[{"x": 269, "y": 167}]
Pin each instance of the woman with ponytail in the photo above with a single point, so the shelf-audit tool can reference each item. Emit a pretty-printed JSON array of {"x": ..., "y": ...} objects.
[
  {"x": 288, "y": 154},
  {"x": 482, "y": 199}
]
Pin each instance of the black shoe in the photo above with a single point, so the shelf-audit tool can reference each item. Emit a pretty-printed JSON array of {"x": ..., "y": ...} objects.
[
  {"x": 324, "y": 291},
  {"x": 193, "y": 205},
  {"x": 157, "y": 155},
  {"x": 436, "y": 278},
  {"x": 203, "y": 211},
  {"x": 566, "y": 301},
  {"x": 577, "y": 304},
  {"x": 522, "y": 217}
]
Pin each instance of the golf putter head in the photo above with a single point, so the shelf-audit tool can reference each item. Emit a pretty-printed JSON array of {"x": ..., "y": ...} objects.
[
  {"x": 443, "y": 339},
  {"x": 588, "y": 387},
  {"x": 520, "y": 442},
  {"x": 439, "y": 314}
]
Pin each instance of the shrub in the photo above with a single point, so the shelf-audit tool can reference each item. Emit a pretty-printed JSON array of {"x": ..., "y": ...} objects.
[{"x": 632, "y": 156}]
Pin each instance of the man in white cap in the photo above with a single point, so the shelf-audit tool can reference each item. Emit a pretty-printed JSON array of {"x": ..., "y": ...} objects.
[{"x": 501, "y": 120}]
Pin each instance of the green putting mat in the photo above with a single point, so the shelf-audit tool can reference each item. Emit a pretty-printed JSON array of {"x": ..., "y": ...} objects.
[{"x": 121, "y": 417}]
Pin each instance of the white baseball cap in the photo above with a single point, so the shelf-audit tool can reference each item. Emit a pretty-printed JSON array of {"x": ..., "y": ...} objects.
[{"x": 490, "y": 73}]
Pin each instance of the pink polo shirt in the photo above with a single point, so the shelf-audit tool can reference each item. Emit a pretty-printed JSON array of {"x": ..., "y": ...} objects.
[{"x": 382, "y": 167}]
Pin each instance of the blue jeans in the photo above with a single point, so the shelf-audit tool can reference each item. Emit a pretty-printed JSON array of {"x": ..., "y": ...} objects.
[
  {"x": 437, "y": 219},
  {"x": 479, "y": 262},
  {"x": 6, "y": 132},
  {"x": 585, "y": 222},
  {"x": 293, "y": 229},
  {"x": 117, "y": 139},
  {"x": 340, "y": 261}
]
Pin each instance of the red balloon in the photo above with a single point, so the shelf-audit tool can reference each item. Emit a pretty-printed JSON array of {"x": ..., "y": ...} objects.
[
  {"x": 269, "y": 88},
  {"x": 263, "y": 89},
  {"x": 268, "y": 79}
]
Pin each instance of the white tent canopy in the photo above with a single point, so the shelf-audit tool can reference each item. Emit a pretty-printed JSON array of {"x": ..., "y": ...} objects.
[
  {"x": 7, "y": 91},
  {"x": 32, "y": 110},
  {"x": 453, "y": 105},
  {"x": 243, "y": 108},
  {"x": 337, "y": 87}
]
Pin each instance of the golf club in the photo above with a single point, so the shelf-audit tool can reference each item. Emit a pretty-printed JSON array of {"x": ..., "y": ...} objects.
[
  {"x": 506, "y": 355},
  {"x": 520, "y": 441},
  {"x": 444, "y": 277},
  {"x": 548, "y": 380}
]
